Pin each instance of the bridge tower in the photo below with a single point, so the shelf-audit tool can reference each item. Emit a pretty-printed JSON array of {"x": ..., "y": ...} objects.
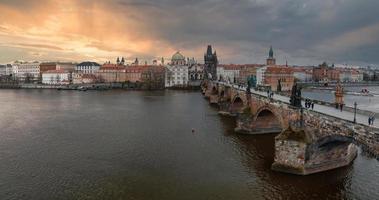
[{"x": 210, "y": 64}]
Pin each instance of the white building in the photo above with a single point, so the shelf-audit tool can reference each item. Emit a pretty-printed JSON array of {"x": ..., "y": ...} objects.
[
  {"x": 261, "y": 75},
  {"x": 87, "y": 67},
  {"x": 56, "y": 77},
  {"x": 177, "y": 72},
  {"x": 228, "y": 73},
  {"x": 176, "y": 76},
  {"x": 26, "y": 71}
]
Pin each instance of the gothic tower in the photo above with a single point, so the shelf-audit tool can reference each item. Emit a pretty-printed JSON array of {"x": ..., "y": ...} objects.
[
  {"x": 271, "y": 60},
  {"x": 210, "y": 64}
]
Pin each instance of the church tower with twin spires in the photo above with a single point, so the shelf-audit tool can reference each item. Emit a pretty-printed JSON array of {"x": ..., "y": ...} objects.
[{"x": 271, "y": 60}]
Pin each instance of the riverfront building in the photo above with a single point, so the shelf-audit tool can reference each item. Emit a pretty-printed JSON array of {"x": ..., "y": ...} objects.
[
  {"x": 112, "y": 73},
  {"x": 177, "y": 72},
  {"x": 56, "y": 77},
  {"x": 26, "y": 71},
  {"x": 87, "y": 67},
  {"x": 325, "y": 73},
  {"x": 79, "y": 78}
]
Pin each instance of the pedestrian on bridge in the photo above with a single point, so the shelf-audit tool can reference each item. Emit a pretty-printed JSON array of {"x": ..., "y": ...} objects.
[
  {"x": 369, "y": 120},
  {"x": 313, "y": 105}
]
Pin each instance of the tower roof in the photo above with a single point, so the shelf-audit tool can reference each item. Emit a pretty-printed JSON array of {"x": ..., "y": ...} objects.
[
  {"x": 209, "y": 50},
  {"x": 271, "y": 53}
]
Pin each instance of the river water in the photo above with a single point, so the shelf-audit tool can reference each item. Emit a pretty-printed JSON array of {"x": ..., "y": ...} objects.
[{"x": 139, "y": 145}]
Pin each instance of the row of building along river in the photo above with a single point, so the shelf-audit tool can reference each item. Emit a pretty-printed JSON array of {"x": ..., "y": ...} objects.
[{"x": 140, "y": 145}]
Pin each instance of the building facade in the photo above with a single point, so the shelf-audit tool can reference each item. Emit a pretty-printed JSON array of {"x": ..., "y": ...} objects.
[
  {"x": 153, "y": 77},
  {"x": 134, "y": 73},
  {"x": 177, "y": 72},
  {"x": 195, "y": 74},
  {"x": 112, "y": 73},
  {"x": 56, "y": 77},
  {"x": 87, "y": 67},
  {"x": 26, "y": 71},
  {"x": 229, "y": 73},
  {"x": 80, "y": 78}
]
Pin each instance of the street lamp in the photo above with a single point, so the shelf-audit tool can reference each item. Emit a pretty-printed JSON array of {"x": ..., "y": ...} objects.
[{"x": 355, "y": 112}]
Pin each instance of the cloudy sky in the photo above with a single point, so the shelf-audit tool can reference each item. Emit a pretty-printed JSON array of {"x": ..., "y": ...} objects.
[{"x": 301, "y": 31}]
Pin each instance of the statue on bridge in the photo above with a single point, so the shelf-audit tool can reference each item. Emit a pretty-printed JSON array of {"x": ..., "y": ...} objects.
[
  {"x": 339, "y": 96},
  {"x": 295, "y": 99},
  {"x": 248, "y": 91}
]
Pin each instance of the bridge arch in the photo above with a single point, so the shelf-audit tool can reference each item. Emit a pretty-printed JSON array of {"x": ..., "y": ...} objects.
[
  {"x": 330, "y": 143},
  {"x": 266, "y": 120},
  {"x": 237, "y": 105}
]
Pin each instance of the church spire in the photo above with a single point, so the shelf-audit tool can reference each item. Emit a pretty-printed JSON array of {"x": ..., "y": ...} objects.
[
  {"x": 271, "y": 60},
  {"x": 271, "y": 53}
]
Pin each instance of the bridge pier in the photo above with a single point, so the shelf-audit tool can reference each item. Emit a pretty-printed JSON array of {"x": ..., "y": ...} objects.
[
  {"x": 213, "y": 99},
  {"x": 243, "y": 123},
  {"x": 300, "y": 152},
  {"x": 224, "y": 109}
]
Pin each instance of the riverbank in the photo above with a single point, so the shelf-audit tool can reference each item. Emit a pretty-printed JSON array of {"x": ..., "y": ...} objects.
[{"x": 97, "y": 86}]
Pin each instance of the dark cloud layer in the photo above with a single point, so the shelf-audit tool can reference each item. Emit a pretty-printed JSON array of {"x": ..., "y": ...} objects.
[{"x": 301, "y": 31}]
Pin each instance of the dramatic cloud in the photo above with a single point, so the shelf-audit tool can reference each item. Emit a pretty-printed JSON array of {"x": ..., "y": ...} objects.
[{"x": 301, "y": 31}]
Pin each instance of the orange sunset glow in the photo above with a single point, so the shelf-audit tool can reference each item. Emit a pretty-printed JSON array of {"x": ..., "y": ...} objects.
[{"x": 72, "y": 30}]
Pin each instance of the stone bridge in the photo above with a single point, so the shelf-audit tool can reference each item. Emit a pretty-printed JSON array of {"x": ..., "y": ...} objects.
[{"x": 307, "y": 141}]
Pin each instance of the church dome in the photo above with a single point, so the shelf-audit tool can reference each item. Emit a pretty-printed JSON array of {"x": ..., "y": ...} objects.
[{"x": 177, "y": 56}]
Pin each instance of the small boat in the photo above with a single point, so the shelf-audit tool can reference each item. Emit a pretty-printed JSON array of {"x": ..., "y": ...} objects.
[{"x": 82, "y": 88}]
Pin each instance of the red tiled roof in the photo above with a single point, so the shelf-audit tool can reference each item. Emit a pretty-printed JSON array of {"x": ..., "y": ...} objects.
[
  {"x": 239, "y": 66},
  {"x": 276, "y": 69}
]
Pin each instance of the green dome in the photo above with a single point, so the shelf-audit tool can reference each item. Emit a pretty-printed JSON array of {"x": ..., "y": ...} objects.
[{"x": 178, "y": 56}]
